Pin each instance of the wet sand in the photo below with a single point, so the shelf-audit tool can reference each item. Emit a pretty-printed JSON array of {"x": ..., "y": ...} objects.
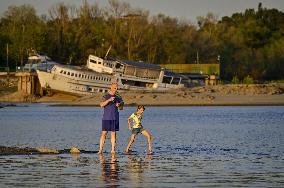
[{"x": 5, "y": 150}]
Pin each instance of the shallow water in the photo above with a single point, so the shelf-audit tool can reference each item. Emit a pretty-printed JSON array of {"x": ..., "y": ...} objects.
[{"x": 193, "y": 147}]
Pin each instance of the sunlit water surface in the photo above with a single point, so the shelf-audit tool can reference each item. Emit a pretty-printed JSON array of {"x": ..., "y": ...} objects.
[{"x": 193, "y": 147}]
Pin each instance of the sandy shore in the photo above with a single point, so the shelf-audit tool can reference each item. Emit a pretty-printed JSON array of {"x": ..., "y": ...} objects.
[
  {"x": 198, "y": 96},
  {"x": 256, "y": 94}
]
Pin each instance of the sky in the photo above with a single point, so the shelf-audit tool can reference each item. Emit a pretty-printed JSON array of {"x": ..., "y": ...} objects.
[{"x": 181, "y": 9}]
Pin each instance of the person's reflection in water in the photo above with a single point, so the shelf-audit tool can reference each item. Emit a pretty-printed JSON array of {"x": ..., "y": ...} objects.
[
  {"x": 110, "y": 169},
  {"x": 75, "y": 156},
  {"x": 137, "y": 166}
]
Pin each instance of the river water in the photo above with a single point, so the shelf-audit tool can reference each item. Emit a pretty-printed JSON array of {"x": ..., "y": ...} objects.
[{"x": 193, "y": 147}]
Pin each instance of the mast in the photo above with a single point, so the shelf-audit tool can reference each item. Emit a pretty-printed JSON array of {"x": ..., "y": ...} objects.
[{"x": 107, "y": 52}]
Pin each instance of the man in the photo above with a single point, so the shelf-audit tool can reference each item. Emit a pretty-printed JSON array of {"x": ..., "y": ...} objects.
[{"x": 110, "y": 121}]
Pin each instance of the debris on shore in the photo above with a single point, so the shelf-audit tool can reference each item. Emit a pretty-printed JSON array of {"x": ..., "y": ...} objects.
[{"x": 227, "y": 94}]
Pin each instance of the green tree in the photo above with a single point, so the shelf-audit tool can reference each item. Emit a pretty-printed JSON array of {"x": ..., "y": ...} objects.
[{"x": 24, "y": 30}]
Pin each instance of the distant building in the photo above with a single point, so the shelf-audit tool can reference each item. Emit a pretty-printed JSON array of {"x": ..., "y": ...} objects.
[
  {"x": 207, "y": 69},
  {"x": 198, "y": 74}
]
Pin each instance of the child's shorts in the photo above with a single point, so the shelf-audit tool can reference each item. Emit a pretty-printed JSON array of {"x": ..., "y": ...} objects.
[{"x": 137, "y": 130}]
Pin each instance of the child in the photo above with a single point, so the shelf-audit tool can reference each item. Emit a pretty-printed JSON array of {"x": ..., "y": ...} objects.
[{"x": 138, "y": 128}]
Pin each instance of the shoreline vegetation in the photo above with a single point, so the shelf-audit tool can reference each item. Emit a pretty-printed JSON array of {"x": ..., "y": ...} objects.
[
  {"x": 218, "y": 95},
  {"x": 246, "y": 45}
]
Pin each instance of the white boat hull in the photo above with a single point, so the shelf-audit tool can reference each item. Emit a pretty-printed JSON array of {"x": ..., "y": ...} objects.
[
  {"x": 129, "y": 76},
  {"x": 60, "y": 83}
]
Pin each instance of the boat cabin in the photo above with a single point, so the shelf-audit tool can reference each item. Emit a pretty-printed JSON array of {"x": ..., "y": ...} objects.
[{"x": 134, "y": 73}]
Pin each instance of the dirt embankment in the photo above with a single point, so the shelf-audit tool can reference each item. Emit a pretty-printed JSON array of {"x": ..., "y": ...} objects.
[
  {"x": 242, "y": 89},
  {"x": 268, "y": 94},
  {"x": 231, "y": 94}
]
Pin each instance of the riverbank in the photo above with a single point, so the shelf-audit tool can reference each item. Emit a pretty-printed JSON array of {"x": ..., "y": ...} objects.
[{"x": 254, "y": 94}]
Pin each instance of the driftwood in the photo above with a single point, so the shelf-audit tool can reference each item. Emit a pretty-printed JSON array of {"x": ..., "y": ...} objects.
[{"x": 36, "y": 151}]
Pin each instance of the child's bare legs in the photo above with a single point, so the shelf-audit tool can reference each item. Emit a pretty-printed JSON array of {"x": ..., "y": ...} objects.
[
  {"x": 150, "y": 138},
  {"x": 132, "y": 138},
  {"x": 113, "y": 141},
  {"x": 102, "y": 141}
]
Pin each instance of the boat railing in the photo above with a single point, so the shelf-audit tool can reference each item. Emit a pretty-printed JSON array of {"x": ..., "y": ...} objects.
[
  {"x": 20, "y": 69},
  {"x": 4, "y": 69},
  {"x": 141, "y": 78}
]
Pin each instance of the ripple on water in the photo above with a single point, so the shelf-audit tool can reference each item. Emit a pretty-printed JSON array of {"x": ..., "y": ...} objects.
[{"x": 193, "y": 147}]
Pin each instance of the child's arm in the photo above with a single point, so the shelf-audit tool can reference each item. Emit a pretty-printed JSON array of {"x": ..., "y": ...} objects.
[{"x": 129, "y": 123}]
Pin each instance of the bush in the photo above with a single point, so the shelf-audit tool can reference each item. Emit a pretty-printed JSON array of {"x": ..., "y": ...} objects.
[
  {"x": 221, "y": 82},
  {"x": 248, "y": 80},
  {"x": 276, "y": 81},
  {"x": 235, "y": 80}
]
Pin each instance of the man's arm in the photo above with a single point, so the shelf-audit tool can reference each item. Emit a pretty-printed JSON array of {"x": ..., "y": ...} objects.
[
  {"x": 104, "y": 103},
  {"x": 120, "y": 103}
]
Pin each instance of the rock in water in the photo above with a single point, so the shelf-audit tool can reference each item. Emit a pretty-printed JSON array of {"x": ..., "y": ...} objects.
[
  {"x": 74, "y": 150},
  {"x": 47, "y": 150}
]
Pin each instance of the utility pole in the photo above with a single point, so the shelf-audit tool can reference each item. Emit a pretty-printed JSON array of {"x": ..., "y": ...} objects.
[
  {"x": 7, "y": 63},
  {"x": 22, "y": 47},
  {"x": 197, "y": 57}
]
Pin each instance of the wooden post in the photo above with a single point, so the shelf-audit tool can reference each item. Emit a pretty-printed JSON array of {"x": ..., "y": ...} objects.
[{"x": 29, "y": 83}]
